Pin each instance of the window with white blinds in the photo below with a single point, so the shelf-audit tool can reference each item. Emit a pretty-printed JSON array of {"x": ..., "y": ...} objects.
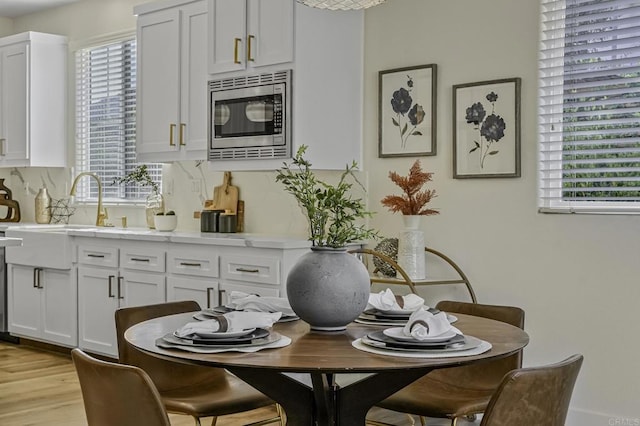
[
  {"x": 589, "y": 106},
  {"x": 106, "y": 121}
]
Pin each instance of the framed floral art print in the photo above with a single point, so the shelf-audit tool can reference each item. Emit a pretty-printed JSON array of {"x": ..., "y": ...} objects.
[
  {"x": 407, "y": 111},
  {"x": 486, "y": 129}
]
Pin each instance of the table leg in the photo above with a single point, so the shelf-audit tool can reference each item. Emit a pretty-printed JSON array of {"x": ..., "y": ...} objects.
[{"x": 327, "y": 404}]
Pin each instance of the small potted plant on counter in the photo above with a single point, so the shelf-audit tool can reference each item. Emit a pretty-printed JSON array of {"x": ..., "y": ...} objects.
[{"x": 166, "y": 221}]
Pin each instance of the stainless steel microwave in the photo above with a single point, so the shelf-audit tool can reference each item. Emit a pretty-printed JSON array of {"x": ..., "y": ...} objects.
[{"x": 250, "y": 117}]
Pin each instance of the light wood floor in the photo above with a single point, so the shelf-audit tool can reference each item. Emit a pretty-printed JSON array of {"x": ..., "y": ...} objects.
[{"x": 38, "y": 388}]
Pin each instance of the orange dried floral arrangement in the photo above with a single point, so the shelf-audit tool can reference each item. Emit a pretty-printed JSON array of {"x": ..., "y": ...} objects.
[{"x": 413, "y": 200}]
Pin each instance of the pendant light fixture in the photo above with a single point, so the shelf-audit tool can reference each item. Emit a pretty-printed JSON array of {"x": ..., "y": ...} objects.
[{"x": 340, "y": 4}]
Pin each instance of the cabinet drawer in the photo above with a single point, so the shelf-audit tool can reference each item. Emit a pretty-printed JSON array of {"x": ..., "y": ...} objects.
[
  {"x": 143, "y": 259},
  {"x": 264, "y": 270},
  {"x": 98, "y": 256},
  {"x": 201, "y": 264}
]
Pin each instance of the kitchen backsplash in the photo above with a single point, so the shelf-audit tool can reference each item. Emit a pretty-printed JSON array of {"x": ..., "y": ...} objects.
[{"x": 186, "y": 185}]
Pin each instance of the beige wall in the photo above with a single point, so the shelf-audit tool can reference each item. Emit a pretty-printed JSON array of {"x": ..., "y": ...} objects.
[{"x": 575, "y": 275}]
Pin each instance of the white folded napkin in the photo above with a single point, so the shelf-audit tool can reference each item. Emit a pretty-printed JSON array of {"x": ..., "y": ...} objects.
[
  {"x": 231, "y": 321},
  {"x": 424, "y": 324},
  {"x": 387, "y": 301},
  {"x": 252, "y": 302}
]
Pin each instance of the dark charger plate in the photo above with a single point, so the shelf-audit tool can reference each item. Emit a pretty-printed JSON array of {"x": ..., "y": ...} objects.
[
  {"x": 258, "y": 333},
  {"x": 379, "y": 336},
  {"x": 394, "y": 315}
]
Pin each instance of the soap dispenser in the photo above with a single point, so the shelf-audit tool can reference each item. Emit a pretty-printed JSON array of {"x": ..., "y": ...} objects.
[{"x": 43, "y": 206}]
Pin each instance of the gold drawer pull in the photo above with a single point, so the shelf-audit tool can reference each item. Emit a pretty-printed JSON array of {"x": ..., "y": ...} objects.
[
  {"x": 172, "y": 129},
  {"x": 138, "y": 259},
  {"x": 236, "y": 46},
  {"x": 249, "y": 56},
  {"x": 190, "y": 264},
  {"x": 253, "y": 271},
  {"x": 99, "y": 256}
]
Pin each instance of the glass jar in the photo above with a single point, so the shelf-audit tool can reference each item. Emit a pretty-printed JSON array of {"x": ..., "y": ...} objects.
[{"x": 153, "y": 205}]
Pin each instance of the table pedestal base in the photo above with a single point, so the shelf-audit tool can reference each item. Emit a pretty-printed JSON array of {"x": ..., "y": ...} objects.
[{"x": 332, "y": 405}]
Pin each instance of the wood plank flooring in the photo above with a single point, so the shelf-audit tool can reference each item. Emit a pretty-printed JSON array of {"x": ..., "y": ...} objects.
[{"x": 39, "y": 387}]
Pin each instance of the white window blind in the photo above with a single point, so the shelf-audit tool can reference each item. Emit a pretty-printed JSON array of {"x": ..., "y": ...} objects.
[
  {"x": 589, "y": 106},
  {"x": 106, "y": 121}
]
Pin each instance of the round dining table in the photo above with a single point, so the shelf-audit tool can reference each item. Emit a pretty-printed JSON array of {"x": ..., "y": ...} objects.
[{"x": 321, "y": 401}]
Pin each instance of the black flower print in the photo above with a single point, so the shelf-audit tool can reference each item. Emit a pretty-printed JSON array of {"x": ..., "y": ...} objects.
[
  {"x": 475, "y": 113},
  {"x": 401, "y": 103},
  {"x": 493, "y": 128},
  {"x": 416, "y": 115},
  {"x": 490, "y": 127}
]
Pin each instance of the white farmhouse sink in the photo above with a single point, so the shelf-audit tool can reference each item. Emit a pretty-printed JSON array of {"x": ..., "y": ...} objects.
[{"x": 42, "y": 246}]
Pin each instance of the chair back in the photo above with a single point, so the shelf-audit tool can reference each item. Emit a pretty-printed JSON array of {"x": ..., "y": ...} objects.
[
  {"x": 537, "y": 396},
  {"x": 116, "y": 394},
  {"x": 165, "y": 374},
  {"x": 487, "y": 375}
]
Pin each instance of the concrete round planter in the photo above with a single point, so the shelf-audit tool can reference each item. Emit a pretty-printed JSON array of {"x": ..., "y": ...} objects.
[{"x": 328, "y": 288}]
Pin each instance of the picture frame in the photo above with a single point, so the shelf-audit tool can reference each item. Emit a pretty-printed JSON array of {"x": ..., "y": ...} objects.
[
  {"x": 407, "y": 102},
  {"x": 486, "y": 129}
]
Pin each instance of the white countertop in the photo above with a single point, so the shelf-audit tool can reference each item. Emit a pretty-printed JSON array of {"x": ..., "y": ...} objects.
[
  {"x": 145, "y": 234},
  {"x": 7, "y": 242}
]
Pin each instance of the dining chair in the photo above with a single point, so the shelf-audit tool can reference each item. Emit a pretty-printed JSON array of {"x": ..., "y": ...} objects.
[
  {"x": 197, "y": 391},
  {"x": 458, "y": 391},
  {"x": 537, "y": 396},
  {"x": 117, "y": 394}
]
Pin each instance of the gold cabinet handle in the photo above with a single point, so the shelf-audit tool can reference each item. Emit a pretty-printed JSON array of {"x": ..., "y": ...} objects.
[
  {"x": 236, "y": 47},
  {"x": 182, "y": 128},
  {"x": 249, "y": 270},
  {"x": 250, "y": 57},
  {"x": 172, "y": 129},
  {"x": 2, "y": 142}
]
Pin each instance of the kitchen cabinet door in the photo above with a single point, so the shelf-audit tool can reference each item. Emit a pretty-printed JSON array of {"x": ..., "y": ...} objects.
[
  {"x": 13, "y": 95},
  {"x": 203, "y": 291},
  {"x": 23, "y": 301},
  {"x": 270, "y": 34},
  {"x": 172, "y": 83},
  {"x": 138, "y": 289},
  {"x": 33, "y": 100},
  {"x": 59, "y": 307},
  {"x": 158, "y": 97},
  {"x": 42, "y": 304},
  {"x": 97, "y": 303},
  {"x": 246, "y": 34}
]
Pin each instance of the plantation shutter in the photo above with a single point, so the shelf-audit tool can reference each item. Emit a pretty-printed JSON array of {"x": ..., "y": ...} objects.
[
  {"x": 589, "y": 106},
  {"x": 106, "y": 120}
]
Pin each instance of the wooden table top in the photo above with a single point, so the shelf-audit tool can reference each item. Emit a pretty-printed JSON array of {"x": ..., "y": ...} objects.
[{"x": 312, "y": 351}]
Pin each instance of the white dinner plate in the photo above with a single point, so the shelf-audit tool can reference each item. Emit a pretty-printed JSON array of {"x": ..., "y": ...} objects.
[
  {"x": 397, "y": 334},
  {"x": 225, "y": 334}
]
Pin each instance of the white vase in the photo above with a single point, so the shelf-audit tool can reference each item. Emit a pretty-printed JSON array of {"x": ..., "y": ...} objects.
[{"x": 411, "y": 254}]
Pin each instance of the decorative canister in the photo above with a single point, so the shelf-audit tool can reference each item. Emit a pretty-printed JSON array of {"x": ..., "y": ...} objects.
[{"x": 43, "y": 206}]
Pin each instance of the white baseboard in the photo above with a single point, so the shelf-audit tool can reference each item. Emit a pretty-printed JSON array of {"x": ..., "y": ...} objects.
[{"x": 580, "y": 417}]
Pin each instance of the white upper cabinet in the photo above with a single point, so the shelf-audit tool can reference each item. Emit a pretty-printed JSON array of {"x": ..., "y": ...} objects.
[
  {"x": 172, "y": 81},
  {"x": 246, "y": 34},
  {"x": 33, "y": 100}
]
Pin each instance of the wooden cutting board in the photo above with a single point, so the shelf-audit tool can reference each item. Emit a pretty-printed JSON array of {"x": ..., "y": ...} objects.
[{"x": 225, "y": 196}]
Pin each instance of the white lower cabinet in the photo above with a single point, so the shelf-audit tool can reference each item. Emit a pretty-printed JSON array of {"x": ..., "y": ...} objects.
[
  {"x": 102, "y": 290},
  {"x": 43, "y": 304}
]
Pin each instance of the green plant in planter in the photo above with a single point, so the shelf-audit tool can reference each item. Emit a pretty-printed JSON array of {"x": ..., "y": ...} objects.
[
  {"x": 140, "y": 175},
  {"x": 330, "y": 209}
]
